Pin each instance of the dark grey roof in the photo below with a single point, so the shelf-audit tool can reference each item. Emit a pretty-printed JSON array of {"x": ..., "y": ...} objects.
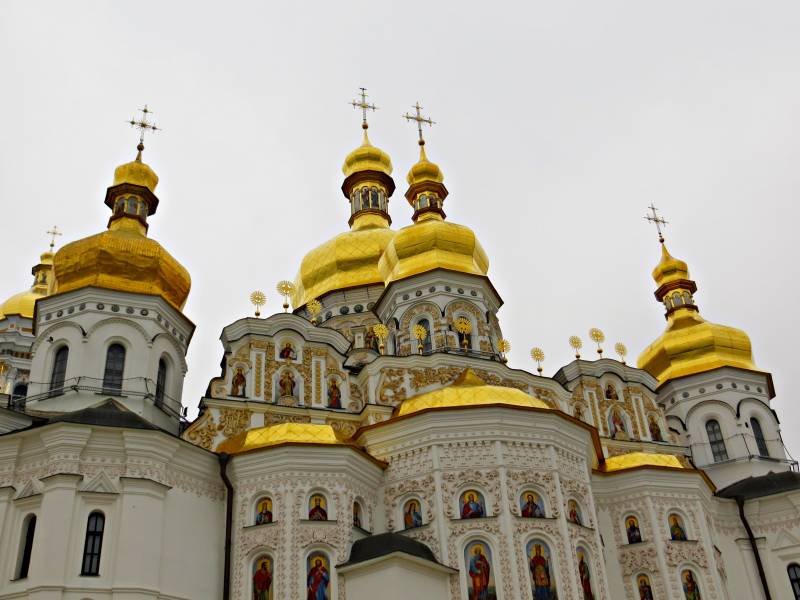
[
  {"x": 107, "y": 414},
  {"x": 383, "y": 544},
  {"x": 763, "y": 485}
]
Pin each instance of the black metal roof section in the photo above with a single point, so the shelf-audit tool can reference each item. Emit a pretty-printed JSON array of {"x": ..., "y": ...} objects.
[
  {"x": 763, "y": 485},
  {"x": 107, "y": 414},
  {"x": 383, "y": 544}
]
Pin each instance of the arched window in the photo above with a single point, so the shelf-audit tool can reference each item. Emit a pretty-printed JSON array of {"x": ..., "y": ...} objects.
[
  {"x": 93, "y": 544},
  {"x": 794, "y": 579},
  {"x": 20, "y": 391},
  {"x": 464, "y": 336},
  {"x": 161, "y": 381},
  {"x": 677, "y": 299},
  {"x": 115, "y": 366},
  {"x": 717, "y": 442},
  {"x": 28, "y": 531},
  {"x": 427, "y": 343},
  {"x": 59, "y": 371},
  {"x": 374, "y": 203},
  {"x": 759, "y": 435}
]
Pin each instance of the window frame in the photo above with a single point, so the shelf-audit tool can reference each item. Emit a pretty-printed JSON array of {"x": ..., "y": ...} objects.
[
  {"x": 114, "y": 372},
  {"x": 28, "y": 535},
  {"x": 793, "y": 571},
  {"x": 93, "y": 534},
  {"x": 758, "y": 434},
  {"x": 161, "y": 381},
  {"x": 58, "y": 372},
  {"x": 719, "y": 451}
]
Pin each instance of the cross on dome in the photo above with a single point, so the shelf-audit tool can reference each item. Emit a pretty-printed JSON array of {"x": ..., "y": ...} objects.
[
  {"x": 419, "y": 120},
  {"x": 657, "y": 220},
  {"x": 364, "y": 106},
  {"x": 53, "y": 233},
  {"x": 143, "y": 125}
]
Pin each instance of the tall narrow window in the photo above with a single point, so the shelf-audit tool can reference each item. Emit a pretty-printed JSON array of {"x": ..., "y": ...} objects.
[
  {"x": 115, "y": 365},
  {"x": 93, "y": 545},
  {"x": 794, "y": 579},
  {"x": 28, "y": 530},
  {"x": 161, "y": 381},
  {"x": 427, "y": 343},
  {"x": 716, "y": 440},
  {"x": 759, "y": 435},
  {"x": 59, "y": 371}
]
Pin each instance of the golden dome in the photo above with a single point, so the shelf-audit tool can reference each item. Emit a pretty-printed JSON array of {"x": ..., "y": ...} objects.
[
  {"x": 348, "y": 260},
  {"x": 469, "y": 390},
  {"x": 137, "y": 173},
  {"x": 282, "y": 433},
  {"x": 432, "y": 243},
  {"x": 424, "y": 170},
  {"x": 690, "y": 344},
  {"x": 23, "y": 303},
  {"x": 367, "y": 158},
  {"x": 122, "y": 258}
]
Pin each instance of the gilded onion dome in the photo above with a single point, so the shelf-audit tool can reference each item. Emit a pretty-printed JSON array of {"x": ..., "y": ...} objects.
[
  {"x": 690, "y": 344},
  {"x": 23, "y": 303},
  {"x": 123, "y": 258},
  {"x": 431, "y": 242},
  {"x": 279, "y": 434},
  {"x": 469, "y": 390},
  {"x": 351, "y": 258}
]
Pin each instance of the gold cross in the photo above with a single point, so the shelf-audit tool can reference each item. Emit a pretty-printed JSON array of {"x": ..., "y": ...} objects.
[
  {"x": 420, "y": 120},
  {"x": 657, "y": 220},
  {"x": 364, "y": 106},
  {"x": 53, "y": 233},
  {"x": 143, "y": 124}
]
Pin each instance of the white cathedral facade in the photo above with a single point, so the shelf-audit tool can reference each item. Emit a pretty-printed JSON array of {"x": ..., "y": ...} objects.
[{"x": 373, "y": 442}]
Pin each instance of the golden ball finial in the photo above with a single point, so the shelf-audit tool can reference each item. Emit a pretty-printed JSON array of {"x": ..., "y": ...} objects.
[
  {"x": 314, "y": 307},
  {"x": 621, "y": 350},
  {"x": 576, "y": 344},
  {"x": 285, "y": 288},
  {"x": 463, "y": 326},
  {"x": 503, "y": 346},
  {"x": 258, "y": 299},
  {"x": 537, "y": 354},
  {"x": 598, "y": 337},
  {"x": 381, "y": 332}
]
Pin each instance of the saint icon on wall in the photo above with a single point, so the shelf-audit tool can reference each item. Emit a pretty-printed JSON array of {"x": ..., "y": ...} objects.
[
  {"x": 318, "y": 577},
  {"x": 286, "y": 384},
  {"x": 632, "y": 530},
  {"x": 531, "y": 505},
  {"x": 317, "y": 508},
  {"x": 616, "y": 425},
  {"x": 677, "y": 532},
  {"x": 611, "y": 392},
  {"x": 539, "y": 563},
  {"x": 645, "y": 589},
  {"x": 412, "y": 514},
  {"x": 480, "y": 579},
  {"x": 287, "y": 352},
  {"x": 264, "y": 511},
  {"x": 238, "y": 383},
  {"x": 655, "y": 430},
  {"x": 334, "y": 394},
  {"x": 472, "y": 505},
  {"x": 574, "y": 512},
  {"x": 691, "y": 589},
  {"x": 262, "y": 578},
  {"x": 585, "y": 574}
]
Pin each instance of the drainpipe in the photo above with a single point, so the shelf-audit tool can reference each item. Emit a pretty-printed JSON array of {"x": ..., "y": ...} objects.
[
  {"x": 754, "y": 546},
  {"x": 226, "y": 576}
]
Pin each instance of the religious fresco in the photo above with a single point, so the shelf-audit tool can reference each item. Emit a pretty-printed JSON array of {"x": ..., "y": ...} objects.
[
  {"x": 357, "y": 519},
  {"x": 644, "y": 587},
  {"x": 263, "y": 511},
  {"x": 287, "y": 384},
  {"x": 318, "y": 576},
  {"x": 677, "y": 531},
  {"x": 611, "y": 392},
  {"x": 540, "y": 564},
  {"x": 531, "y": 505},
  {"x": 334, "y": 393},
  {"x": 238, "y": 383},
  {"x": 574, "y": 512},
  {"x": 412, "y": 514},
  {"x": 585, "y": 574},
  {"x": 480, "y": 575},
  {"x": 632, "y": 530},
  {"x": 655, "y": 430},
  {"x": 472, "y": 505},
  {"x": 318, "y": 508},
  {"x": 691, "y": 588},
  {"x": 287, "y": 352},
  {"x": 616, "y": 424},
  {"x": 262, "y": 578}
]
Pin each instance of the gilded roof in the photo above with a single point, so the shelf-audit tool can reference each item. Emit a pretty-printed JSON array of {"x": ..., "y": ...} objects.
[
  {"x": 281, "y": 433},
  {"x": 24, "y": 302},
  {"x": 469, "y": 390},
  {"x": 634, "y": 460},
  {"x": 367, "y": 158}
]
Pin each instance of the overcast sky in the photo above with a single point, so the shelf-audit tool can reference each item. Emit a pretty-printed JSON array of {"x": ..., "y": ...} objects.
[{"x": 557, "y": 124}]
